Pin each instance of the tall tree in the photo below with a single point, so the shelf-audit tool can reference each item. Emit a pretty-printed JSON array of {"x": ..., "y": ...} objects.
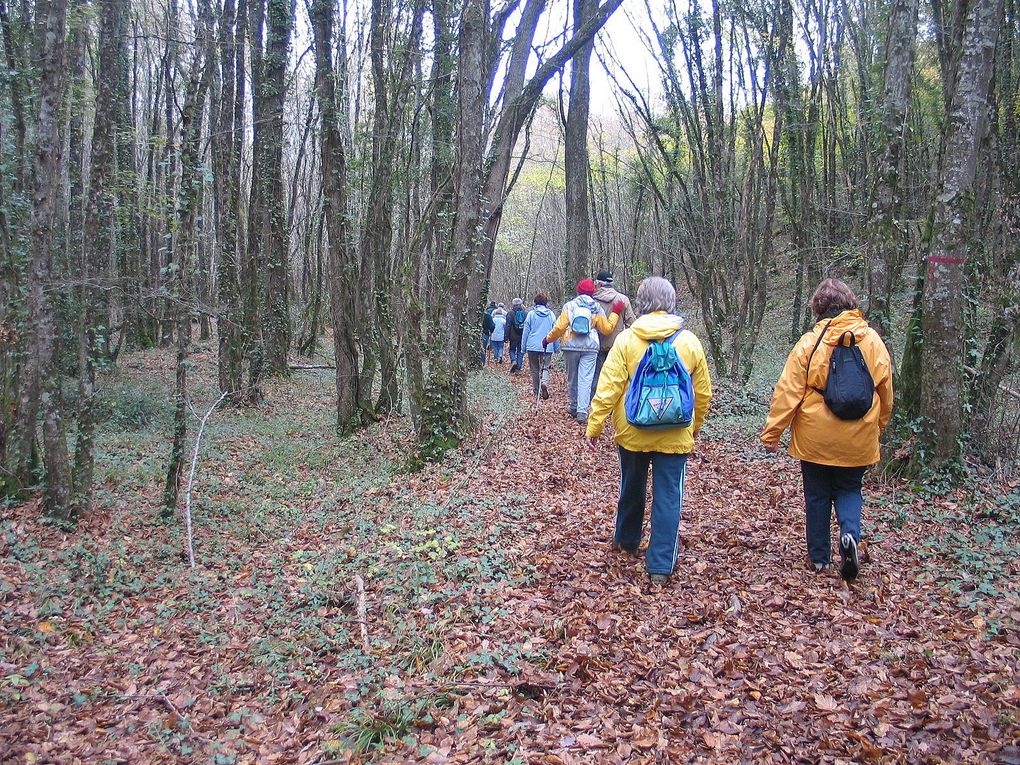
[
  {"x": 280, "y": 24},
  {"x": 39, "y": 379},
  {"x": 942, "y": 399},
  {"x": 575, "y": 152},
  {"x": 342, "y": 262},
  {"x": 887, "y": 239}
]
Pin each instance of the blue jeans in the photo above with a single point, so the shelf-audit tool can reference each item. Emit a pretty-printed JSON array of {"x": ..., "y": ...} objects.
[
  {"x": 825, "y": 487},
  {"x": 497, "y": 350},
  {"x": 516, "y": 353},
  {"x": 668, "y": 473}
]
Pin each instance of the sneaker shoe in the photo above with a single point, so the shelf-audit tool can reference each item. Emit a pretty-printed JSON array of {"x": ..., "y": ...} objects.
[
  {"x": 582, "y": 418},
  {"x": 617, "y": 547},
  {"x": 572, "y": 414},
  {"x": 545, "y": 392},
  {"x": 851, "y": 564},
  {"x": 821, "y": 568},
  {"x": 658, "y": 579}
]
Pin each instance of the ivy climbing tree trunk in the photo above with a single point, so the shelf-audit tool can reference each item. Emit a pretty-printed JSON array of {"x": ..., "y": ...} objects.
[
  {"x": 39, "y": 380},
  {"x": 280, "y": 23},
  {"x": 886, "y": 239}
]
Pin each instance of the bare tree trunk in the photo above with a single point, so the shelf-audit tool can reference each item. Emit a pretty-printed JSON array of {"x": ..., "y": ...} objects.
[
  {"x": 343, "y": 265},
  {"x": 188, "y": 205},
  {"x": 942, "y": 400},
  {"x": 575, "y": 158}
]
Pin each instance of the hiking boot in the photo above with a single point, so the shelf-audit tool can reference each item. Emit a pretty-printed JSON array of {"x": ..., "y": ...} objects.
[
  {"x": 617, "y": 547},
  {"x": 658, "y": 579},
  {"x": 821, "y": 568},
  {"x": 851, "y": 564},
  {"x": 572, "y": 414},
  {"x": 582, "y": 418},
  {"x": 545, "y": 392}
]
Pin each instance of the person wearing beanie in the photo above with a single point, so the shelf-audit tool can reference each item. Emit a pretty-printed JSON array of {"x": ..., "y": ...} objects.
[
  {"x": 580, "y": 322},
  {"x": 515, "y": 334},
  {"x": 606, "y": 294}
]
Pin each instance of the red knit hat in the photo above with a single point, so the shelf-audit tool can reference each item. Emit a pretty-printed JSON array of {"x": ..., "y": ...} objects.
[{"x": 586, "y": 287}]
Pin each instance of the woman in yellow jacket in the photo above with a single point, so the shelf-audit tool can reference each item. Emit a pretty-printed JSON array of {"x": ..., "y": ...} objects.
[
  {"x": 834, "y": 453},
  {"x": 665, "y": 450}
]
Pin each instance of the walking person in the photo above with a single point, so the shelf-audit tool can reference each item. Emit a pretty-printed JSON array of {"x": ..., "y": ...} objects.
[
  {"x": 606, "y": 294},
  {"x": 835, "y": 395},
  {"x": 657, "y": 332},
  {"x": 580, "y": 322},
  {"x": 539, "y": 323},
  {"x": 515, "y": 334},
  {"x": 487, "y": 327},
  {"x": 499, "y": 330}
]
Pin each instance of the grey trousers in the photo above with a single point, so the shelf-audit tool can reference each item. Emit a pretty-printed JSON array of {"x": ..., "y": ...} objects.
[
  {"x": 539, "y": 363},
  {"x": 580, "y": 374}
]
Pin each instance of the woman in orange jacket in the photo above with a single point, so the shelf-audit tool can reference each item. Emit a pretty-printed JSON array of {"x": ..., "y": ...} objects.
[{"x": 834, "y": 452}]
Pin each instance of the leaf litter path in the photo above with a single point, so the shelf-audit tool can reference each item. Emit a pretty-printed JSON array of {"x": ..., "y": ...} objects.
[{"x": 745, "y": 656}]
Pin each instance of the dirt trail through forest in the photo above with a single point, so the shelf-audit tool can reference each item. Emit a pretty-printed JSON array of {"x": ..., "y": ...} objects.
[
  {"x": 501, "y": 628},
  {"x": 745, "y": 655}
]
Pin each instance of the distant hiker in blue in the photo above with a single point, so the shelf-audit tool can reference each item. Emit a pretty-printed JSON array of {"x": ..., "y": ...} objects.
[
  {"x": 515, "y": 334},
  {"x": 539, "y": 323},
  {"x": 499, "y": 331}
]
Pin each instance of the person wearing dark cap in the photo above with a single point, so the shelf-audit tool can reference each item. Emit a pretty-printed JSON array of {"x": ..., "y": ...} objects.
[
  {"x": 580, "y": 322},
  {"x": 606, "y": 295}
]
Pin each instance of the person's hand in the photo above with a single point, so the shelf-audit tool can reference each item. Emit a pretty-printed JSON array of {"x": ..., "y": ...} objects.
[
  {"x": 545, "y": 344},
  {"x": 618, "y": 307},
  {"x": 592, "y": 442},
  {"x": 771, "y": 447}
]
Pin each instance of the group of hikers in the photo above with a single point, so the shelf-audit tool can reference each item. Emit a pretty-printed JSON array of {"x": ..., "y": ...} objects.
[{"x": 640, "y": 366}]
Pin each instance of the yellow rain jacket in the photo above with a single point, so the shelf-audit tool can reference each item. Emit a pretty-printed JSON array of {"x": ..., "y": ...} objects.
[
  {"x": 818, "y": 435},
  {"x": 620, "y": 366}
]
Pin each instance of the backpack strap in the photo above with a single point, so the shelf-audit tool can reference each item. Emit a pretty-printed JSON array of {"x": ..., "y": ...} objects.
[{"x": 807, "y": 369}]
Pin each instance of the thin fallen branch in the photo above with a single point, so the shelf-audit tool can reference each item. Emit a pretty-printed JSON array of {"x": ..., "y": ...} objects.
[
  {"x": 191, "y": 480},
  {"x": 303, "y": 367},
  {"x": 362, "y": 613}
]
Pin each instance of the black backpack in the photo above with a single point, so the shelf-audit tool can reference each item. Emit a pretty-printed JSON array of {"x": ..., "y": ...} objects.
[{"x": 849, "y": 388}]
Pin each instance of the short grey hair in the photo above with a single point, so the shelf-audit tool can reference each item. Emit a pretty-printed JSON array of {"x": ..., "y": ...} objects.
[{"x": 655, "y": 294}]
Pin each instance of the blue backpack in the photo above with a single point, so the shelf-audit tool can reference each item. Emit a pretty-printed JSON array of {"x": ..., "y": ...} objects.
[{"x": 661, "y": 394}]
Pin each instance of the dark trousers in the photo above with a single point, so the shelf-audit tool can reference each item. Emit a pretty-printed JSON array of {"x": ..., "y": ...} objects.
[
  {"x": 599, "y": 361},
  {"x": 668, "y": 473},
  {"x": 827, "y": 487}
]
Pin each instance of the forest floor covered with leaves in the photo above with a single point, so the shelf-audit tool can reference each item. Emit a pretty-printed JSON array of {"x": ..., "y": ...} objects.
[{"x": 346, "y": 610}]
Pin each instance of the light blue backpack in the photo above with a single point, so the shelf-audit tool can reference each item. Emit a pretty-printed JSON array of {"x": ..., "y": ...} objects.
[{"x": 661, "y": 394}]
